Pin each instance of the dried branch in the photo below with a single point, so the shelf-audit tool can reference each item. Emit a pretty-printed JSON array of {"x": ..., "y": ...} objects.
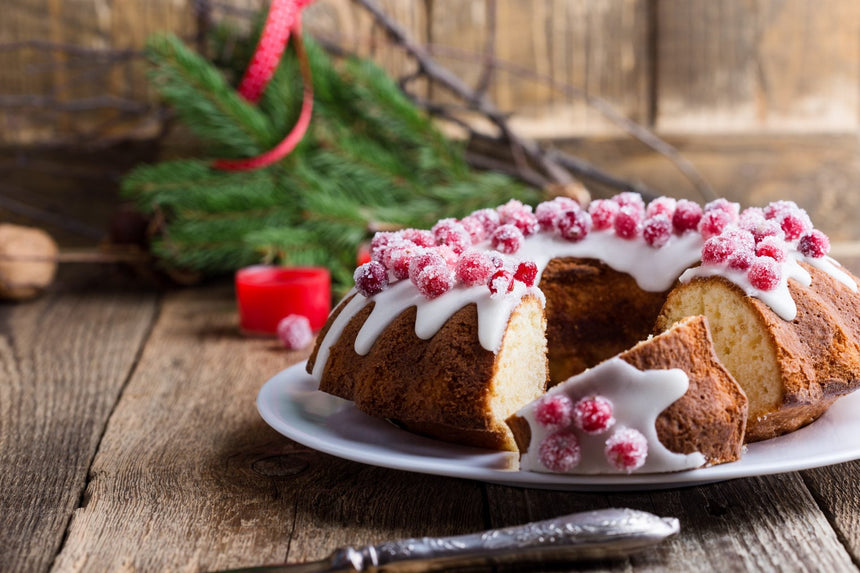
[{"x": 550, "y": 162}]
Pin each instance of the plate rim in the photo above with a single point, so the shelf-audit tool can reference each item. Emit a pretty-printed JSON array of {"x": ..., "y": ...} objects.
[{"x": 295, "y": 374}]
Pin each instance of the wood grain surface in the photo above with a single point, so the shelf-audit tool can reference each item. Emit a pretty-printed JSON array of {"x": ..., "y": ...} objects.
[
  {"x": 64, "y": 360},
  {"x": 187, "y": 476}
]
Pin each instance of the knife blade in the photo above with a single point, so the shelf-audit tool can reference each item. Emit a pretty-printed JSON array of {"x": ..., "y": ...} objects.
[{"x": 598, "y": 534}]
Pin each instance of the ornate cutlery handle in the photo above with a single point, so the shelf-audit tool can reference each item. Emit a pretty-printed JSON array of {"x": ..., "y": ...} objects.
[{"x": 588, "y": 535}]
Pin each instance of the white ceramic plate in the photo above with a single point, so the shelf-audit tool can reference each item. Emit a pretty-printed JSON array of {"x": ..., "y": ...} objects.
[{"x": 292, "y": 405}]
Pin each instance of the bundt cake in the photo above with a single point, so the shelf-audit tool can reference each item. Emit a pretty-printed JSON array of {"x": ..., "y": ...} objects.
[
  {"x": 666, "y": 404},
  {"x": 450, "y": 331}
]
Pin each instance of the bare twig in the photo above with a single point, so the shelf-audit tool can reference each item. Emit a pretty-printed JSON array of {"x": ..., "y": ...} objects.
[
  {"x": 458, "y": 87},
  {"x": 489, "y": 63},
  {"x": 606, "y": 109}
]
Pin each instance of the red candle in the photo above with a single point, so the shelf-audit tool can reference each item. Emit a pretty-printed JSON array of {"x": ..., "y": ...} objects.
[{"x": 266, "y": 294}]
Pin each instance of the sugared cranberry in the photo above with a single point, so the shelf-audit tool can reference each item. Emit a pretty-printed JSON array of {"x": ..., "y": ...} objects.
[
  {"x": 425, "y": 258},
  {"x": 400, "y": 258},
  {"x": 507, "y": 239},
  {"x": 686, "y": 216},
  {"x": 382, "y": 251},
  {"x": 475, "y": 228},
  {"x": 526, "y": 273},
  {"x": 421, "y": 237},
  {"x": 603, "y": 213},
  {"x": 452, "y": 233},
  {"x": 381, "y": 239},
  {"x": 631, "y": 199},
  {"x": 750, "y": 218},
  {"x": 664, "y": 205},
  {"x": 766, "y": 228},
  {"x": 814, "y": 244},
  {"x": 628, "y": 222},
  {"x": 741, "y": 259},
  {"x": 574, "y": 225},
  {"x": 717, "y": 250},
  {"x": 559, "y": 451},
  {"x": 593, "y": 415},
  {"x": 764, "y": 273},
  {"x": 448, "y": 255},
  {"x": 772, "y": 247},
  {"x": 501, "y": 283},
  {"x": 657, "y": 230},
  {"x": 294, "y": 332},
  {"x": 554, "y": 411},
  {"x": 627, "y": 450},
  {"x": 728, "y": 207},
  {"x": 777, "y": 208},
  {"x": 489, "y": 218},
  {"x": 794, "y": 224},
  {"x": 370, "y": 278},
  {"x": 742, "y": 237},
  {"x": 475, "y": 268},
  {"x": 713, "y": 223},
  {"x": 547, "y": 212},
  {"x": 509, "y": 209},
  {"x": 433, "y": 280},
  {"x": 525, "y": 221}
]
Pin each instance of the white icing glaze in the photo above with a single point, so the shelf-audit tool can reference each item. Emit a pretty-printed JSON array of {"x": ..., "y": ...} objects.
[
  {"x": 653, "y": 269},
  {"x": 832, "y": 267},
  {"x": 638, "y": 397},
  {"x": 779, "y": 299}
]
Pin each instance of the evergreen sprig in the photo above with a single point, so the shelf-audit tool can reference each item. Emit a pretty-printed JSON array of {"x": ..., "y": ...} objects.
[{"x": 370, "y": 157}]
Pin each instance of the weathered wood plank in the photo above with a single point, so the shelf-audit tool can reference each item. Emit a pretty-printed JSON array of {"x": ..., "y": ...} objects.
[
  {"x": 835, "y": 490},
  {"x": 189, "y": 476},
  {"x": 757, "y": 524},
  {"x": 768, "y": 64},
  {"x": 64, "y": 359}
]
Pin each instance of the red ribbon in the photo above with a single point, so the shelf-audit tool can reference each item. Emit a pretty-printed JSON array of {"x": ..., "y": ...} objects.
[{"x": 284, "y": 17}]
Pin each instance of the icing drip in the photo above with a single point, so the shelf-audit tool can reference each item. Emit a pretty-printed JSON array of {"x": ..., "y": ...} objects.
[
  {"x": 638, "y": 397},
  {"x": 832, "y": 267},
  {"x": 653, "y": 269},
  {"x": 778, "y": 299}
]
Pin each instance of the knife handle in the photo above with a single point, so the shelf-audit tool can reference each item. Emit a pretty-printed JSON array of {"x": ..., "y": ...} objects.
[{"x": 588, "y": 535}]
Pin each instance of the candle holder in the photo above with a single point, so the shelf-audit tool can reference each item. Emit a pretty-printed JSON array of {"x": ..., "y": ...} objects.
[{"x": 266, "y": 294}]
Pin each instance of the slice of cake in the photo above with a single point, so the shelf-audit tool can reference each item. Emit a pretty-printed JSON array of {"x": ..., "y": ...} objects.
[{"x": 667, "y": 404}]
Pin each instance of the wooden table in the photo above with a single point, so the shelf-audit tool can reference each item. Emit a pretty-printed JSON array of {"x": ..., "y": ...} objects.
[{"x": 130, "y": 441}]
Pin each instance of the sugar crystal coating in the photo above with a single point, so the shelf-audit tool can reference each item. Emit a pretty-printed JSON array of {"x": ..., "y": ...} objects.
[
  {"x": 400, "y": 257},
  {"x": 452, "y": 233},
  {"x": 554, "y": 411},
  {"x": 434, "y": 280},
  {"x": 772, "y": 247},
  {"x": 686, "y": 216},
  {"x": 657, "y": 230},
  {"x": 560, "y": 451},
  {"x": 593, "y": 415},
  {"x": 766, "y": 228},
  {"x": 501, "y": 283},
  {"x": 474, "y": 268},
  {"x": 547, "y": 212},
  {"x": 717, "y": 250},
  {"x": 713, "y": 223},
  {"x": 814, "y": 244},
  {"x": 489, "y": 218},
  {"x": 626, "y": 450},
  {"x": 507, "y": 239},
  {"x": 370, "y": 278},
  {"x": 664, "y": 205},
  {"x": 574, "y": 225},
  {"x": 475, "y": 227},
  {"x": 777, "y": 208},
  {"x": 628, "y": 222},
  {"x": 741, "y": 259},
  {"x": 294, "y": 332},
  {"x": 421, "y": 237},
  {"x": 794, "y": 223},
  {"x": 631, "y": 199},
  {"x": 603, "y": 213},
  {"x": 764, "y": 273},
  {"x": 728, "y": 207}
]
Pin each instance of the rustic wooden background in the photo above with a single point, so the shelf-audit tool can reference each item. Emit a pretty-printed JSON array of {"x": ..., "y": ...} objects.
[{"x": 70, "y": 70}]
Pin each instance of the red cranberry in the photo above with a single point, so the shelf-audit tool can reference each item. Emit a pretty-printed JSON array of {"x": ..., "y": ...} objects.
[
  {"x": 474, "y": 268},
  {"x": 526, "y": 273},
  {"x": 628, "y": 222},
  {"x": 574, "y": 225},
  {"x": 370, "y": 278},
  {"x": 603, "y": 213},
  {"x": 508, "y": 239},
  {"x": 560, "y": 452},
  {"x": 554, "y": 411},
  {"x": 686, "y": 217},
  {"x": 627, "y": 450},
  {"x": 657, "y": 230},
  {"x": 814, "y": 244},
  {"x": 593, "y": 415},
  {"x": 764, "y": 273}
]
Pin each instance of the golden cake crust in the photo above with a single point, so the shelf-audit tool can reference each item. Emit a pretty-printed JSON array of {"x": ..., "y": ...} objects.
[
  {"x": 441, "y": 387},
  {"x": 712, "y": 415}
]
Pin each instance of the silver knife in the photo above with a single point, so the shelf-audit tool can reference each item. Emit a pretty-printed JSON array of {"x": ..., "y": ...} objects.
[{"x": 588, "y": 535}]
